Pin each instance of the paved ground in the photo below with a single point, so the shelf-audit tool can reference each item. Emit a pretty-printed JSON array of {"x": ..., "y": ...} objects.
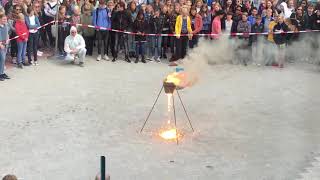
[{"x": 251, "y": 123}]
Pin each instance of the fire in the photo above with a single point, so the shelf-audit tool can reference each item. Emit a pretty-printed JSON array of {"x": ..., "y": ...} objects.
[
  {"x": 169, "y": 134},
  {"x": 177, "y": 78}
]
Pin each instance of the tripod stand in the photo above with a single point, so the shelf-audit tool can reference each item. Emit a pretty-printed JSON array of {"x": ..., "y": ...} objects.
[{"x": 174, "y": 111}]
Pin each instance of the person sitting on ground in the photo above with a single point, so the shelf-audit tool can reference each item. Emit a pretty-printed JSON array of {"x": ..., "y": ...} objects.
[
  {"x": 10, "y": 177},
  {"x": 74, "y": 46}
]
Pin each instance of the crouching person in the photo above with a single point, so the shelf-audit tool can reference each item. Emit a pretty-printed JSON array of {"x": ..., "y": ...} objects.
[{"x": 75, "y": 47}]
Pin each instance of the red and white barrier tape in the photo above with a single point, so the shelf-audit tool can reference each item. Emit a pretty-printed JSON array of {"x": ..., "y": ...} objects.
[
  {"x": 212, "y": 34},
  {"x": 170, "y": 35}
]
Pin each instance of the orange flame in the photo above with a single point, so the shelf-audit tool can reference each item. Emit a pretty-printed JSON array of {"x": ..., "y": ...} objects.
[{"x": 169, "y": 134}]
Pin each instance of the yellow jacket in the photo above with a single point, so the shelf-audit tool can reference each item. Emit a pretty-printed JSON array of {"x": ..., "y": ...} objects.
[
  {"x": 178, "y": 27},
  {"x": 270, "y": 35}
]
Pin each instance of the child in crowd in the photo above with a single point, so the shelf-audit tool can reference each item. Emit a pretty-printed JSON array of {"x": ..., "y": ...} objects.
[
  {"x": 23, "y": 33},
  {"x": 140, "y": 39},
  {"x": 33, "y": 23}
]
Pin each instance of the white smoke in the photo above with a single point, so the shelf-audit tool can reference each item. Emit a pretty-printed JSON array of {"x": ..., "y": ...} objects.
[{"x": 228, "y": 50}]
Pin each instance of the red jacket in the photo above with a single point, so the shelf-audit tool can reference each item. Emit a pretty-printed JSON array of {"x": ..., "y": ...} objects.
[
  {"x": 197, "y": 24},
  {"x": 22, "y": 31}
]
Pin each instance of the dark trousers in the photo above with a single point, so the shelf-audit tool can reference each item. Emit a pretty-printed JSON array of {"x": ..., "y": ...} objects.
[
  {"x": 121, "y": 39},
  {"x": 140, "y": 48},
  {"x": 165, "y": 44},
  {"x": 102, "y": 36},
  {"x": 44, "y": 39},
  {"x": 33, "y": 46},
  {"x": 13, "y": 45},
  {"x": 194, "y": 41},
  {"x": 181, "y": 45},
  {"x": 62, "y": 34},
  {"x": 48, "y": 30},
  {"x": 89, "y": 44}
]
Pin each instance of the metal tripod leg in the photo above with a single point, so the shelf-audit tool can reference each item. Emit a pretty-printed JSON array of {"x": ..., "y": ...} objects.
[
  {"x": 175, "y": 119},
  {"x": 155, "y": 102},
  {"x": 185, "y": 111}
]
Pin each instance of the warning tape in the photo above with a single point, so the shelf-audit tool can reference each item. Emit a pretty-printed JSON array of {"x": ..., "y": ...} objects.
[
  {"x": 170, "y": 35},
  {"x": 211, "y": 34}
]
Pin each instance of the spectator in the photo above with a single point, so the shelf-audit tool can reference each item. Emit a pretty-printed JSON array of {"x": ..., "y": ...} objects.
[
  {"x": 252, "y": 17},
  {"x": 37, "y": 7},
  {"x": 4, "y": 36},
  {"x": 245, "y": 28},
  {"x": 50, "y": 11},
  {"x": 23, "y": 33},
  {"x": 216, "y": 24},
  {"x": 63, "y": 29},
  {"x": 102, "y": 18},
  {"x": 316, "y": 22},
  {"x": 256, "y": 41},
  {"x": 87, "y": 33},
  {"x": 75, "y": 18},
  {"x": 280, "y": 39},
  {"x": 196, "y": 25},
  {"x": 309, "y": 17},
  {"x": 74, "y": 46},
  {"x": 140, "y": 27},
  {"x": 156, "y": 28},
  {"x": 121, "y": 21},
  {"x": 270, "y": 47},
  {"x": 132, "y": 12},
  {"x": 183, "y": 32},
  {"x": 267, "y": 19},
  {"x": 12, "y": 33},
  {"x": 147, "y": 17},
  {"x": 164, "y": 17},
  {"x": 172, "y": 22},
  {"x": 228, "y": 23},
  {"x": 33, "y": 24},
  {"x": 206, "y": 20}
]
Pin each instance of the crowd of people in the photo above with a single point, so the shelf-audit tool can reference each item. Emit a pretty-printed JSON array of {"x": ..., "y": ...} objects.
[{"x": 183, "y": 18}]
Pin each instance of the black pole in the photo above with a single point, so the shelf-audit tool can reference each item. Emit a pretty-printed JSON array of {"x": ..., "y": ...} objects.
[
  {"x": 175, "y": 119},
  {"x": 103, "y": 167},
  {"x": 155, "y": 102},
  {"x": 185, "y": 111}
]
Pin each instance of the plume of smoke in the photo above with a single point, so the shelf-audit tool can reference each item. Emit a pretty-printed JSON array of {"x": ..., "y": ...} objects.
[{"x": 228, "y": 50}]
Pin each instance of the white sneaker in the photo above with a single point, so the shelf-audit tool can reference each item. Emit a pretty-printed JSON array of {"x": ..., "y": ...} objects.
[
  {"x": 36, "y": 63},
  {"x": 152, "y": 58},
  {"x": 99, "y": 57},
  {"x": 158, "y": 60},
  {"x": 32, "y": 63},
  {"x": 106, "y": 57},
  {"x": 39, "y": 53}
]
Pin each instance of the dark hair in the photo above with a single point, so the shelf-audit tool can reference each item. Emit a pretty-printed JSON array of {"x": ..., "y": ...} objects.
[
  {"x": 140, "y": 12},
  {"x": 29, "y": 9},
  {"x": 230, "y": 13},
  {"x": 254, "y": 8},
  {"x": 122, "y": 4},
  {"x": 220, "y": 12}
]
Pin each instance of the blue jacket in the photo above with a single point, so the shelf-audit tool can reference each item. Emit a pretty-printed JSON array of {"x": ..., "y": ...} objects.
[
  {"x": 252, "y": 20},
  {"x": 101, "y": 18},
  {"x": 32, "y": 26}
]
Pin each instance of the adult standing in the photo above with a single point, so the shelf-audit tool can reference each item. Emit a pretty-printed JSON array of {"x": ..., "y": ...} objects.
[
  {"x": 121, "y": 21},
  {"x": 102, "y": 18},
  {"x": 183, "y": 32},
  {"x": 4, "y": 36}
]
